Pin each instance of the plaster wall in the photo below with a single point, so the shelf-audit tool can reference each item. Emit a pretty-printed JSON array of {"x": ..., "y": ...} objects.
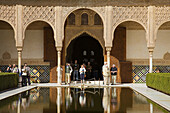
[{"x": 7, "y": 43}]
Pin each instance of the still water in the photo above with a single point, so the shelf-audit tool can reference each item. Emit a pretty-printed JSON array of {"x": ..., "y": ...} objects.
[{"x": 77, "y": 100}]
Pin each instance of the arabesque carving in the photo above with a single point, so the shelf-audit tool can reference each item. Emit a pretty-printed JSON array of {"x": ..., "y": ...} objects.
[
  {"x": 8, "y": 13},
  {"x": 137, "y": 14},
  {"x": 31, "y": 14}
]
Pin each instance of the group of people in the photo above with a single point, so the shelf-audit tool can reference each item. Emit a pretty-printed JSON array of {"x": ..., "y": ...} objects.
[
  {"x": 106, "y": 73},
  {"x": 85, "y": 71},
  {"x": 76, "y": 71},
  {"x": 24, "y": 73}
]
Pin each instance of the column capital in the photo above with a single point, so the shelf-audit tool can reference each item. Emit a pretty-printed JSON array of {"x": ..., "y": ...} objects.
[
  {"x": 19, "y": 49},
  {"x": 108, "y": 48},
  {"x": 58, "y": 48},
  {"x": 151, "y": 49}
]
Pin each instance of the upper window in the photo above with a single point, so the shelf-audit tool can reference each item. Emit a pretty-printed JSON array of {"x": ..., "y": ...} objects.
[
  {"x": 97, "y": 20},
  {"x": 84, "y": 19},
  {"x": 71, "y": 19}
]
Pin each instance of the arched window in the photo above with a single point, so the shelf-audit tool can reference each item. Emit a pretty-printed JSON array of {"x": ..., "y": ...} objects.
[
  {"x": 97, "y": 20},
  {"x": 71, "y": 19},
  {"x": 84, "y": 19},
  {"x": 84, "y": 53}
]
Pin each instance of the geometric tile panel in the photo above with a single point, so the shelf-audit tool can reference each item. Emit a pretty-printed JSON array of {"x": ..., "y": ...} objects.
[
  {"x": 139, "y": 72},
  {"x": 39, "y": 73}
]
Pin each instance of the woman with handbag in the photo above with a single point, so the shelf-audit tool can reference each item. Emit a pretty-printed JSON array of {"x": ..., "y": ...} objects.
[{"x": 82, "y": 73}]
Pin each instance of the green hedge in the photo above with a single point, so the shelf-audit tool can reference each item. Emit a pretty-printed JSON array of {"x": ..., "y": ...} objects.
[
  {"x": 8, "y": 80},
  {"x": 159, "y": 81}
]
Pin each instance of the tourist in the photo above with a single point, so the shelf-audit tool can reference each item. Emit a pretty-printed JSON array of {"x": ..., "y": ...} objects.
[
  {"x": 89, "y": 68},
  {"x": 9, "y": 68},
  {"x": 68, "y": 71},
  {"x": 82, "y": 73},
  {"x": 113, "y": 71},
  {"x": 14, "y": 69},
  {"x": 75, "y": 73},
  {"x": 95, "y": 71},
  {"x": 25, "y": 75},
  {"x": 105, "y": 70}
]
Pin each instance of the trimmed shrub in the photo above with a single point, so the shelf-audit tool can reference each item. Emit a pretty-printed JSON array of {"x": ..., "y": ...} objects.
[
  {"x": 8, "y": 80},
  {"x": 159, "y": 81}
]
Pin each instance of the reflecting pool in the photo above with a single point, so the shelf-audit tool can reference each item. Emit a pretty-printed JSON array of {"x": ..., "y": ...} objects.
[{"x": 79, "y": 100}]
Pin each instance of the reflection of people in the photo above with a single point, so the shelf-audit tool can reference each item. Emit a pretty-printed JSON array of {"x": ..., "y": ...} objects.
[
  {"x": 114, "y": 98},
  {"x": 89, "y": 68},
  {"x": 113, "y": 71},
  {"x": 75, "y": 73},
  {"x": 25, "y": 99},
  {"x": 105, "y": 70},
  {"x": 82, "y": 98},
  {"x": 68, "y": 98},
  {"x": 68, "y": 71},
  {"x": 82, "y": 73},
  {"x": 105, "y": 99}
]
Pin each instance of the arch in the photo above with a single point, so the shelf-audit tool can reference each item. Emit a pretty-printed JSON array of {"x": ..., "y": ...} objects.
[
  {"x": 71, "y": 19},
  {"x": 117, "y": 24},
  {"x": 90, "y": 34},
  {"x": 42, "y": 20},
  {"x": 13, "y": 28},
  {"x": 157, "y": 28}
]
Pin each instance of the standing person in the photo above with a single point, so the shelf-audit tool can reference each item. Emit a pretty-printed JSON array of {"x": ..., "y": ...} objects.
[
  {"x": 75, "y": 73},
  {"x": 105, "y": 70},
  {"x": 9, "y": 68},
  {"x": 89, "y": 68},
  {"x": 68, "y": 72},
  {"x": 25, "y": 75},
  {"x": 15, "y": 69},
  {"x": 82, "y": 73},
  {"x": 113, "y": 71}
]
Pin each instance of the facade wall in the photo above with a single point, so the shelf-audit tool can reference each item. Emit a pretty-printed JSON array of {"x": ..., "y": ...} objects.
[
  {"x": 7, "y": 43},
  {"x": 33, "y": 44},
  {"x": 162, "y": 44}
]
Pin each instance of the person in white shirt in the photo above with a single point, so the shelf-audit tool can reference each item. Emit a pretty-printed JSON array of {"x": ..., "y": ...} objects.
[
  {"x": 105, "y": 70},
  {"x": 82, "y": 73}
]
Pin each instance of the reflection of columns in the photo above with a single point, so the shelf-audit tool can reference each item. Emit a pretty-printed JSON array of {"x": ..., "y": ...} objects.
[
  {"x": 58, "y": 99},
  {"x": 150, "y": 60},
  {"x": 151, "y": 108},
  {"x": 59, "y": 65},
  {"x": 19, "y": 58}
]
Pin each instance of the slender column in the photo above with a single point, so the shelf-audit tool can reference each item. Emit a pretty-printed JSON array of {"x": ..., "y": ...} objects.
[
  {"x": 19, "y": 58},
  {"x": 150, "y": 60},
  {"x": 59, "y": 65},
  {"x": 108, "y": 49}
]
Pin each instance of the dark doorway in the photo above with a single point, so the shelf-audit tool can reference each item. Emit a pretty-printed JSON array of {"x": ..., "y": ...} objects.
[{"x": 86, "y": 49}]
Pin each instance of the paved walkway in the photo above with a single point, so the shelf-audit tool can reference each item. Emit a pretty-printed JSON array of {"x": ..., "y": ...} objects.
[{"x": 158, "y": 97}]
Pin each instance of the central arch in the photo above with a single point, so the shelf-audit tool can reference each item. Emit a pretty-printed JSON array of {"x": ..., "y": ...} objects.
[{"x": 84, "y": 49}]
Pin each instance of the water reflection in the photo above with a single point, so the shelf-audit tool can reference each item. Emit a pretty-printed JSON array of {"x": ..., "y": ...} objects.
[{"x": 77, "y": 100}]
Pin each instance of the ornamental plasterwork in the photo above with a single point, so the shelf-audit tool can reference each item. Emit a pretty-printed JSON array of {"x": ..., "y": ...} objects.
[
  {"x": 162, "y": 15},
  {"x": 8, "y": 14},
  {"x": 35, "y": 13},
  {"x": 136, "y": 14}
]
